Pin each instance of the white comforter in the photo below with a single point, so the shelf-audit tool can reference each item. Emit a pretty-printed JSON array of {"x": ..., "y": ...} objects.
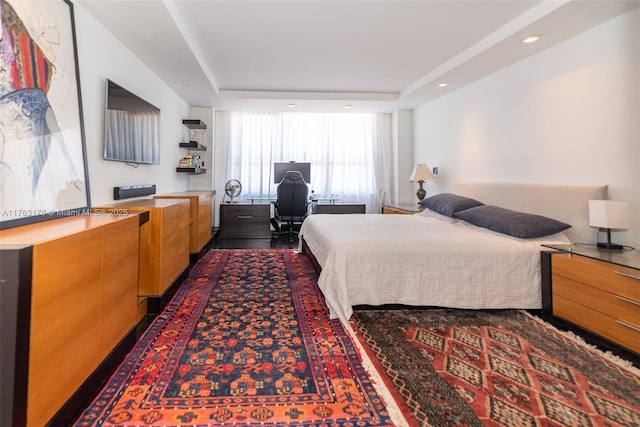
[{"x": 418, "y": 260}]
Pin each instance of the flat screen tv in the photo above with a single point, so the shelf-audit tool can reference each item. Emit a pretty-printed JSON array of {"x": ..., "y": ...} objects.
[
  {"x": 131, "y": 127},
  {"x": 280, "y": 169}
]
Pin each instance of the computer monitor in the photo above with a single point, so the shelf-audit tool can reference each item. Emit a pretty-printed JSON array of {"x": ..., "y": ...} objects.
[{"x": 280, "y": 169}]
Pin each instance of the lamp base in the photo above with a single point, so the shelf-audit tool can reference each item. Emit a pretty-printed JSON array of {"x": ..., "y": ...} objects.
[
  {"x": 421, "y": 193},
  {"x": 610, "y": 246}
]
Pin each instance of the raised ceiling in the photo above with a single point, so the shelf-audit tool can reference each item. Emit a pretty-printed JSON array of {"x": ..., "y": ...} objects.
[{"x": 323, "y": 55}]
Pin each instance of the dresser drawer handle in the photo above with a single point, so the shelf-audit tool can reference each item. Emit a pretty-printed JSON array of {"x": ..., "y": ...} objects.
[
  {"x": 625, "y": 274},
  {"x": 245, "y": 216},
  {"x": 628, "y": 325},
  {"x": 625, "y": 299}
]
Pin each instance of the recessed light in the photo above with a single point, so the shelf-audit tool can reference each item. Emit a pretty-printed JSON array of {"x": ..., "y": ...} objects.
[
  {"x": 532, "y": 38},
  {"x": 443, "y": 84},
  {"x": 291, "y": 105},
  {"x": 348, "y": 106},
  {"x": 188, "y": 84}
]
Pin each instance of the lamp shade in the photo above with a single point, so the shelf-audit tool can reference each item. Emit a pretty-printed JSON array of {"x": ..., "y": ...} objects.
[
  {"x": 608, "y": 214},
  {"x": 421, "y": 172}
]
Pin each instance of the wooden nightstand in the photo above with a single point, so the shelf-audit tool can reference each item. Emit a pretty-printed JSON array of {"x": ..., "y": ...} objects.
[
  {"x": 598, "y": 291},
  {"x": 402, "y": 208}
]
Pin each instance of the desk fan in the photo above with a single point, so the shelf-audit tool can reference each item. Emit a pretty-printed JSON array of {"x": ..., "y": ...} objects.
[{"x": 233, "y": 188}]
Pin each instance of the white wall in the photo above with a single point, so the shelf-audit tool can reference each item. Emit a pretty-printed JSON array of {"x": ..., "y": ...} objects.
[
  {"x": 569, "y": 115},
  {"x": 402, "y": 140},
  {"x": 101, "y": 56},
  {"x": 205, "y": 181}
]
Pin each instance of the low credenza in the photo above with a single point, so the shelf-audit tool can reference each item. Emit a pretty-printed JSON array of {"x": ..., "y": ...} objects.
[
  {"x": 69, "y": 296},
  {"x": 245, "y": 221},
  {"x": 164, "y": 242},
  {"x": 201, "y": 217}
]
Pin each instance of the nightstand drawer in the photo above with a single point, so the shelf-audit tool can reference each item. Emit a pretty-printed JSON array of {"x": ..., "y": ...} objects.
[
  {"x": 627, "y": 334},
  {"x": 605, "y": 276},
  {"x": 615, "y": 306}
]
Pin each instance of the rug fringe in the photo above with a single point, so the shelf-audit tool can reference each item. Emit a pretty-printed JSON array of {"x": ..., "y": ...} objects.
[
  {"x": 395, "y": 413},
  {"x": 608, "y": 355}
]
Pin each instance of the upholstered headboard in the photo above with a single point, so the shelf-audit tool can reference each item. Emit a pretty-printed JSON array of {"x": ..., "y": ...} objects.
[{"x": 566, "y": 203}]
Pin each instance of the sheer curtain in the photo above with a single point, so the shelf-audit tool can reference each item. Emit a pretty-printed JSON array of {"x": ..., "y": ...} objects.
[{"x": 350, "y": 153}]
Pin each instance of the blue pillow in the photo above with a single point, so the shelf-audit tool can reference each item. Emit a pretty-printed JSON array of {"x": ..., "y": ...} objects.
[
  {"x": 513, "y": 223},
  {"x": 448, "y": 203}
]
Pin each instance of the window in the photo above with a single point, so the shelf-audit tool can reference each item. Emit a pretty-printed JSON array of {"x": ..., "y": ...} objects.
[{"x": 346, "y": 152}]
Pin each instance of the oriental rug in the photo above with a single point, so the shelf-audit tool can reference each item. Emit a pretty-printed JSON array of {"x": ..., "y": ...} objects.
[
  {"x": 246, "y": 341},
  {"x": 502, "y": 368}
]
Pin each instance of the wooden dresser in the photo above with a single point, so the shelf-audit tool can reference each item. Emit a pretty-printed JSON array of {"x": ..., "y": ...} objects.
[
  {"x": 598, "y": 291},
  {"x": 201, "y": 216},
  {"x": 164, "y": 241},
  {"x": 76, "y": 282}
]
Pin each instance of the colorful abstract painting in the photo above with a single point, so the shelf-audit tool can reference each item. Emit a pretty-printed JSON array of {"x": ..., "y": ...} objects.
[{"x": 43, "y": 172}]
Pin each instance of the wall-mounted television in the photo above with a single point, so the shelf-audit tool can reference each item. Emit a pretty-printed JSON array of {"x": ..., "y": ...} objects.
[
  {"x": 280, "y": 169},
  {"x": 131, "y": 127}
]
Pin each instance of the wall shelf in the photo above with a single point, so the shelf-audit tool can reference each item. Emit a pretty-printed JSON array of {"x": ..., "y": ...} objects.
[
  {"x": 193, "y": 146},
  {"x": 195, "y": 171},
  {"x": 196, "y": 134},
  {"x": 194, "y": 124}
]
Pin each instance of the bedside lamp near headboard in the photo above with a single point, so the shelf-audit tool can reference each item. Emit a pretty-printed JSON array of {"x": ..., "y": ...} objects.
[
  {"x": 609, "y": 214},
  {"x": 421, "y": 173}
]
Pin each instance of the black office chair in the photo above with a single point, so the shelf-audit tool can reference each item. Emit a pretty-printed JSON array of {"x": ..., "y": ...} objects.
[{"x": 292, "y": 204}]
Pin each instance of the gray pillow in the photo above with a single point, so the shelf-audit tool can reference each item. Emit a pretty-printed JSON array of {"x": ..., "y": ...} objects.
[
  {"x": 512, "y": 223},
  {"x": 448, "y": 203}
]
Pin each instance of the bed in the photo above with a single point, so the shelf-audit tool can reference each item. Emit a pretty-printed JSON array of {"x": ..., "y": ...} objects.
[{"x": 435, "y": 259}]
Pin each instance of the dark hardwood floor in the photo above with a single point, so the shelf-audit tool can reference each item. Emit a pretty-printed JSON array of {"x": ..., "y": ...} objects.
[{"x": 281, "y": 241}]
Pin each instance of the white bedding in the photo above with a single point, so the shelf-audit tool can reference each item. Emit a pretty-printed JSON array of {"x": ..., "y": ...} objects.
[{"x": 420, "y": 260}]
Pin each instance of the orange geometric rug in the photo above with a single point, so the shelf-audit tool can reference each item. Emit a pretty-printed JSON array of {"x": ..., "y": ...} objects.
[
  {"x": 246, "y": 341},
  {"x": 503, "y": 368}
]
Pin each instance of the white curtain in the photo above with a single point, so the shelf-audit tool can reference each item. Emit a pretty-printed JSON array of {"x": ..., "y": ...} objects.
[
  {"x": 350, "y": 153},
  {"x": 132, "y": 136}
]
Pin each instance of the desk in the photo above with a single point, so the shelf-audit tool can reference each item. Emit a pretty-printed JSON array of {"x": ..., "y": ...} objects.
[{"x": 338, "y": 208}]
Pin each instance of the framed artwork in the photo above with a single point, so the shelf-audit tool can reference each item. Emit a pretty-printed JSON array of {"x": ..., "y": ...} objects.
[{"x": 43, "y": 166}]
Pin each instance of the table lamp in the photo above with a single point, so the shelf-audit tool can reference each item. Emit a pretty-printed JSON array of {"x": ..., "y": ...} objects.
[
  {"x": 609, "y": 214},
  {"x": 421, "y": 173}
]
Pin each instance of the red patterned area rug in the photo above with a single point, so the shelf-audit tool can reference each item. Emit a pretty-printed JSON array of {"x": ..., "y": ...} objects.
[
  {"x": 503, "y": 368},
  {"x": 246, "y": 341}
]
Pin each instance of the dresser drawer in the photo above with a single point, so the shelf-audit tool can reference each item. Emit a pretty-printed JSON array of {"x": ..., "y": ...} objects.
[
  {"x": 626, "y": 334},
  {"x": 612, "y": 278},
  {"x": 612, "y": 305}
]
